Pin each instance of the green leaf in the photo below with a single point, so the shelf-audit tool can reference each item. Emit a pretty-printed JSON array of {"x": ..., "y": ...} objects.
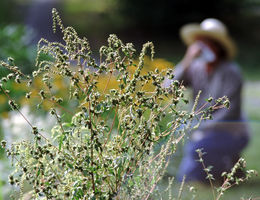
[
  {"x": 62, "y": 138},
  {"x": 89, "y": 89},
  {"x": 70, "y": 165}
]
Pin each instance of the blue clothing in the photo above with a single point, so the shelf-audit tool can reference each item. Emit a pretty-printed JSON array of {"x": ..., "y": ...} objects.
[
  {"x": 226, "y": 135},
  {"x": 224, "y": 80},
  {"x": 222, "y": 152}
]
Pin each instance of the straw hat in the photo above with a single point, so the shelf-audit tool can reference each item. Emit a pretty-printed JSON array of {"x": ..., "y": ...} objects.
[{"x": 211, "y": 28}]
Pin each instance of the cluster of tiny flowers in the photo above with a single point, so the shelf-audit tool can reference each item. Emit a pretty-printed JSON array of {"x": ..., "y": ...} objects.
[{"x": 102, "y": 145}]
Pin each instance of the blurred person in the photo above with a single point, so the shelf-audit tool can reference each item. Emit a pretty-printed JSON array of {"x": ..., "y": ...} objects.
[{"x": 208, "y": 66}]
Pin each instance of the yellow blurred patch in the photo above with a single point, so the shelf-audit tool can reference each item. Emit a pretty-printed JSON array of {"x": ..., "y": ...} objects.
[
  {"x": 5, "y": 115},
  {"x": 107, "y": 82},
  {"x": 3, "y": 99},
  {"x": 110, "y": 82}
]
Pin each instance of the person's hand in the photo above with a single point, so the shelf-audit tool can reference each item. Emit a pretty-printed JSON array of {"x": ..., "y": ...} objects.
[{"x": 192, "y": 52}]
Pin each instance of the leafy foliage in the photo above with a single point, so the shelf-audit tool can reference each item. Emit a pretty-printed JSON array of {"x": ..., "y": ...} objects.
[{"x": 106, "y": 148}]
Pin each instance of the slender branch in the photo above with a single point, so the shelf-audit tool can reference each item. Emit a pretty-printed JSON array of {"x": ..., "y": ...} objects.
[
  {"x": 92, "y": 151},
  {"x": 157, "y": 180},
  {"x": 210, "y": 181},
  {"x": 181, "y": 188}
]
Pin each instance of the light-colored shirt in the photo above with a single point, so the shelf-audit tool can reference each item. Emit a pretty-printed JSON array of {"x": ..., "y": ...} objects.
[{"x": 224, "y": 80}]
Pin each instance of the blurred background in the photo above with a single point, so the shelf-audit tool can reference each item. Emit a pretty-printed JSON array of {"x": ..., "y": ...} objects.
[{"x": 24, "y": 22}]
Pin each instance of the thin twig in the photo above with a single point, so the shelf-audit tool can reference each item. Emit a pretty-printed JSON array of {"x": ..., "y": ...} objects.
[
  {"x": 181, "y": 188},
  {"x": 210, "y": 181}
]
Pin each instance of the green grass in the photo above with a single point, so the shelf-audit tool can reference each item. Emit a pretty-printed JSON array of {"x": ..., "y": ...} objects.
[{"x": 1, "y": 195}]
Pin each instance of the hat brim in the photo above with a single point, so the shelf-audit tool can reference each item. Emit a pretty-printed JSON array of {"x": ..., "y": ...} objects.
[{"x": 190, "y": 32}]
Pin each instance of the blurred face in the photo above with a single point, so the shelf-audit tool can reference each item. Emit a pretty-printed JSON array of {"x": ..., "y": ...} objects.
[
  {"x": 206, "y": 53},
  {"x": 211, "y": 51}
]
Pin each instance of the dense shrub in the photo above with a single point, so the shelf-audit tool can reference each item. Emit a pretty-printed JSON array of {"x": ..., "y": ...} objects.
[{"x": 103, "y": 146}]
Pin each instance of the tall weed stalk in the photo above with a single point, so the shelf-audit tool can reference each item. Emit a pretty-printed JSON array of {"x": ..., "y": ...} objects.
[{"x": 103, "y": 143}]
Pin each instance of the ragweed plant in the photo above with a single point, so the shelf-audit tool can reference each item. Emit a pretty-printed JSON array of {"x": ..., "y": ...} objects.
[
  {"x": 237, "y": 175},
  {"x": 103, "y": 148}
]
